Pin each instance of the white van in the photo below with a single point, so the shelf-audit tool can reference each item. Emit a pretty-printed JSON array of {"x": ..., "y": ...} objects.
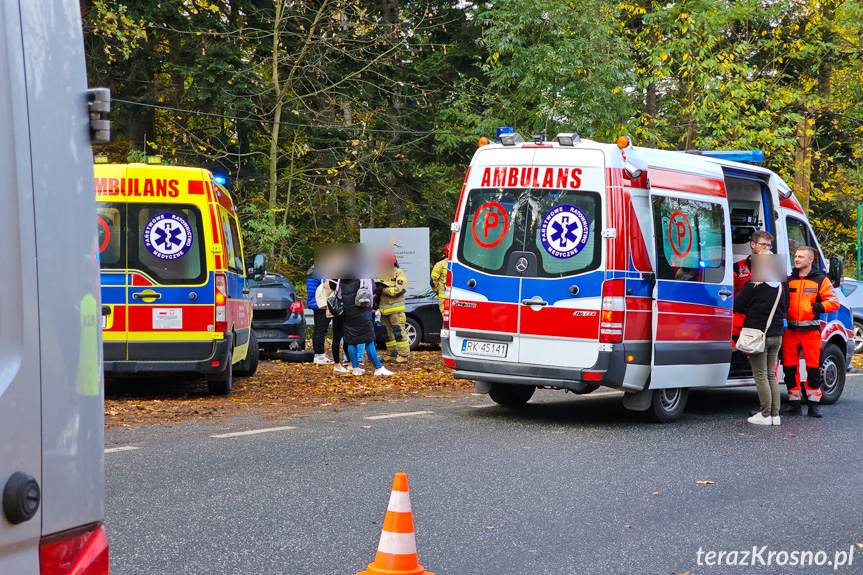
[
  {"x": 578, "y": 264},
  {"x": 51, "y": 404}
]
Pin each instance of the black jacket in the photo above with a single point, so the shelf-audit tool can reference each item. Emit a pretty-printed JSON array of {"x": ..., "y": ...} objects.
[
  {"x": 358, "y": 322},
  {"x": 756, "y": 300}
]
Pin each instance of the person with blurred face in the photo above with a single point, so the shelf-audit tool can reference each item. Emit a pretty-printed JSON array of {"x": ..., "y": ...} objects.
[{"x": 811, "y": 295}]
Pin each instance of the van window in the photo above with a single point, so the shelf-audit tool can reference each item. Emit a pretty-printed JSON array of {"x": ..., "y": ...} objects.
[
  {"x": 690, "y": 240},
  {"x": 563, "y": 232},
  {"x": 798, "y": 235},
  {"x": 492, "y": 226},
  {"x": 165, "y": 242},
  {"x": 110, "y": 223},
  {"x": 232, "y": 239}
]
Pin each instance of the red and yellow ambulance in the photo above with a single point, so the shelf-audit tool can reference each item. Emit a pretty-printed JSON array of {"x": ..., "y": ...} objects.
[{"x": 173, "y": 277}]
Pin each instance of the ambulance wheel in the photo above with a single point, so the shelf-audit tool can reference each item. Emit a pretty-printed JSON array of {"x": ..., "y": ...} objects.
[
  {"x": 222, "y": 382},
  {"x": 832, "y": 374},
  {"x": 511, "y": 395},
  {"x": 249, "y": 366},
  {"x": 414, "y": 331},
  {"x": 667, "y": 404}
]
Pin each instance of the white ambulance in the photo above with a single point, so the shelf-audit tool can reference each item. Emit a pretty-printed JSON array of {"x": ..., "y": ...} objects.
[
  {"x": 51, "y": 408},
  {"x": 578, "y": 264}
]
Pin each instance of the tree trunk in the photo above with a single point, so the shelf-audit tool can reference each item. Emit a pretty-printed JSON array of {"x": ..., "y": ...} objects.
[
  {"x": 272, "y": 195},
  {"x": 396, "y": 191},
  {"x": 803, "y": 160}
]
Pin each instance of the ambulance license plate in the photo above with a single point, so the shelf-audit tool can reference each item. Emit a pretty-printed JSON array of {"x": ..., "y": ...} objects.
[{"x": 484, "y": 348}]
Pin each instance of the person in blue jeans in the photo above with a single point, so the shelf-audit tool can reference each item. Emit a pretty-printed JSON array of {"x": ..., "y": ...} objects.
[{"x": 359, "y": 326}]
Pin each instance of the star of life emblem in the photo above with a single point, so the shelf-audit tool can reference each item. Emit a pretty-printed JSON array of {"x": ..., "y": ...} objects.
[
  {"x": 168, "y": 236},
  {"x": 564, "y": 231}
]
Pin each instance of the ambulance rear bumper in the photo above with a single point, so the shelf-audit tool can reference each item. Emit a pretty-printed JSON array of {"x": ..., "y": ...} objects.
[
  {"x": 608, "y": 371},
  {"x": 180, "y": 359}
]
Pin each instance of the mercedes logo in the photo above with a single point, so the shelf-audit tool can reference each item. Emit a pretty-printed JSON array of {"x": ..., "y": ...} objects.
[{"x": 521, "y": 265}]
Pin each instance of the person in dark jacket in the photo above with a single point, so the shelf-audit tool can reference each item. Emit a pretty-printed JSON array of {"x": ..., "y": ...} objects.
[
  {"x": 358, "y": 324},
  {"x": 755, "y": 301}
]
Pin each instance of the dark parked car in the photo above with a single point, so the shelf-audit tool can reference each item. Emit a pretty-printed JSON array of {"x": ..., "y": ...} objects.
[
  {"x": 277, "y": 315},
  {"x": 423, "y": 322},
  {"x": 854, "y": 295}
]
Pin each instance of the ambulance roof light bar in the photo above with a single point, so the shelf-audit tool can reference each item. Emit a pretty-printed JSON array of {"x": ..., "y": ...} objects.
[
  {"x": 754, "y": 156},
  {"x": 511, "y": 139},
  {"x": 568, "y": 139}
]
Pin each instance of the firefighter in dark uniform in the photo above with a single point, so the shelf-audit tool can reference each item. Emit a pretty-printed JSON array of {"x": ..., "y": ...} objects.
[{"x": 811, "y": 295}]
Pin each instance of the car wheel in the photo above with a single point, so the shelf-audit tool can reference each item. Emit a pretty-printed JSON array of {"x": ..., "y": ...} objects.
[
  {"x": 303, "y": 356},
  {"x": 858, "y": 336},
  {"x": 414, "y": 331},
  {"x": 832, "y": 374},
  {"x": 511, "y": 395},
  {"x": 667, "y": 405},
  {"x": 249, "y": 366},
  {"x": 221, "y": 383}
]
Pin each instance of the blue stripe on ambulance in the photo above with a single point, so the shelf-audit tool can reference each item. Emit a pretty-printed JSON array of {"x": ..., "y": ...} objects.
[
  {"x": 694, "y": 293},
  {"x": 503, "y": 289}
]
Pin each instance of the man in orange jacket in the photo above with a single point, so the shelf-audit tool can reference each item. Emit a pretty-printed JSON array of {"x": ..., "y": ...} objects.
[{"x": 811, "y": 295}]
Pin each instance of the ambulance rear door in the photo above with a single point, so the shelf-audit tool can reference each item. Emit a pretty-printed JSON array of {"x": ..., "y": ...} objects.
[
  {"x": 169, "y": 286},
  {"x": 693, "y": 303},
  {"x": 561, "y": 287},
  {"x": 486, "y": 285}
]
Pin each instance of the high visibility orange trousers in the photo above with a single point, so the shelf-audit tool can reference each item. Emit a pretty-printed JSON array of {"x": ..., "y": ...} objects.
[{"x": 810, "y": 341}]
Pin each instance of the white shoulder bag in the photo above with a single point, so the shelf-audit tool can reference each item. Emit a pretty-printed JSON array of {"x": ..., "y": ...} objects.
[{"x": 752, "y": 340}]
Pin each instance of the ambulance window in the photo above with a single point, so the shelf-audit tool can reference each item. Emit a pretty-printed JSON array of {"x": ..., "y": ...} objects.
[
  {"x": 798, "y": 235},
  {"x": 690, "y": 240},
  {"x": 563, "y": 228},
  {"x": 489, "y": 226},
  {"x": 109, "y": 219},
  {"x": 232, "y": 238},
  {"x": 167, "y": 243}
]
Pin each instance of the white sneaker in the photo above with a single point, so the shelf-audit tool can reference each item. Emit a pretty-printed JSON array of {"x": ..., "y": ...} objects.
[
  {"x": 357, "y": 371},
  {"x": 322, "y": 359},
  {"x": 759, "y": 419},
  {"x": 775, "y": 420},
  {"x": 341, "y": 370},
  {"x": 383, "y": 371}
]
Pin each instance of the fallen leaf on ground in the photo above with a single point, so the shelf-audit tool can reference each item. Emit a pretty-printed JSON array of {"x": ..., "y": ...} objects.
[
  {"x": 655, "y": 493},
  {"x": 489, "y": 526},
  {"x": 705, "y": 482}
]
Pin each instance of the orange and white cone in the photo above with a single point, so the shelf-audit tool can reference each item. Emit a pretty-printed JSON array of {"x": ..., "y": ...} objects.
[{"x": 397, "y": 550}]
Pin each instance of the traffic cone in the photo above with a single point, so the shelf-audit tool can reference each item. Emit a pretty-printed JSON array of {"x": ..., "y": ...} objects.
[{"x": 397, "y": 550}]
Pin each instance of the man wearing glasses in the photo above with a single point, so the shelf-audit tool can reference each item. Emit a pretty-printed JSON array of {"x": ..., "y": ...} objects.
[{"x": 759, "y": 242}]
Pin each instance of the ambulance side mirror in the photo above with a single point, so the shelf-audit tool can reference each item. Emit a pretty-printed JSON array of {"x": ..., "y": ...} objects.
[
  {"x": 837, "y": 270},
  {"x": 259, "y": 267}
]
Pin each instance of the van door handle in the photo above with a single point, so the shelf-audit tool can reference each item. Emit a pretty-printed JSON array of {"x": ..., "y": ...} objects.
[
  {"x": 145, "y": 295},
  {"x": 245, "y": 291},
  {"x": 724, "y": 292},
  {"x": 535, "y": 300}
]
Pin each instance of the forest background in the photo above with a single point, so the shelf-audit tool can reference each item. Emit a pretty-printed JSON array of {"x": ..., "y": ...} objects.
[{"x": 326, "y": 116}]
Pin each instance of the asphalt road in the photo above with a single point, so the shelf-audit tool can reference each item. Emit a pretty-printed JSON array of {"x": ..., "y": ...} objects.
[{"x": 571, "y": 484}]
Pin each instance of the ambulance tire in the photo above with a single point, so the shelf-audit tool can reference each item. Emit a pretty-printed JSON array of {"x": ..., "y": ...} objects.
[
  {"x": 249, "y": 366},
  {"x": 511, "y": 395},
  {"x": 221, "y": 383},
  {"x": 667, "y": 405},
  {"x": 832, "y": 374}
]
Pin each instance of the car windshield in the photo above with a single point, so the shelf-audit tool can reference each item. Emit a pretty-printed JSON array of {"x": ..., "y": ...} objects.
[{"x": 271, "y": 281}]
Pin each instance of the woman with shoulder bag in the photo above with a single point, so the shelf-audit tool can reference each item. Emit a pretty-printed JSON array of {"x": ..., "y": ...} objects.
[
  {"x": 358, "y": 322},
  {"x": 765, "y": 305}
]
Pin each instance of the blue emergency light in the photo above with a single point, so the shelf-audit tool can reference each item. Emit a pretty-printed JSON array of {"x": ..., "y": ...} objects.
[
  {"x": 220, "y": 180},
  {"x": 755, "y": 156},
  {"x": 504, "y": 130}
]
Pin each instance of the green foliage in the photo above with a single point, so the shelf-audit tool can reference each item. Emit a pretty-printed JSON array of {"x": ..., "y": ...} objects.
[{"x": 381, "y": 103}]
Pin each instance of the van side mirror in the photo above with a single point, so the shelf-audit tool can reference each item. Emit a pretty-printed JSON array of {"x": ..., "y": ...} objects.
[
  {"x": 259, "y": 267},
  {"x": 837, "y": 270}
]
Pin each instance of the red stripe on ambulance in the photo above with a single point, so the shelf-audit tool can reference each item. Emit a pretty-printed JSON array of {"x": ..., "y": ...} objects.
[
  {"x": 560, "y": 322},
  {"x": 485, "y": 316},
  {"x": 684, "y": 182}
]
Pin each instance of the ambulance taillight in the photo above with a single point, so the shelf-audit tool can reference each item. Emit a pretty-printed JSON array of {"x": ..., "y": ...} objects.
[
  {"x": 221, "y": 303},
  {"x": 81, "y": 551},
  {"x": 613, "y": 310}
]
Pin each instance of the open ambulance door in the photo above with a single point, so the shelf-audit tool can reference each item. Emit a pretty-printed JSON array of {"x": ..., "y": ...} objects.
[{"x": 692, "y": 299}]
